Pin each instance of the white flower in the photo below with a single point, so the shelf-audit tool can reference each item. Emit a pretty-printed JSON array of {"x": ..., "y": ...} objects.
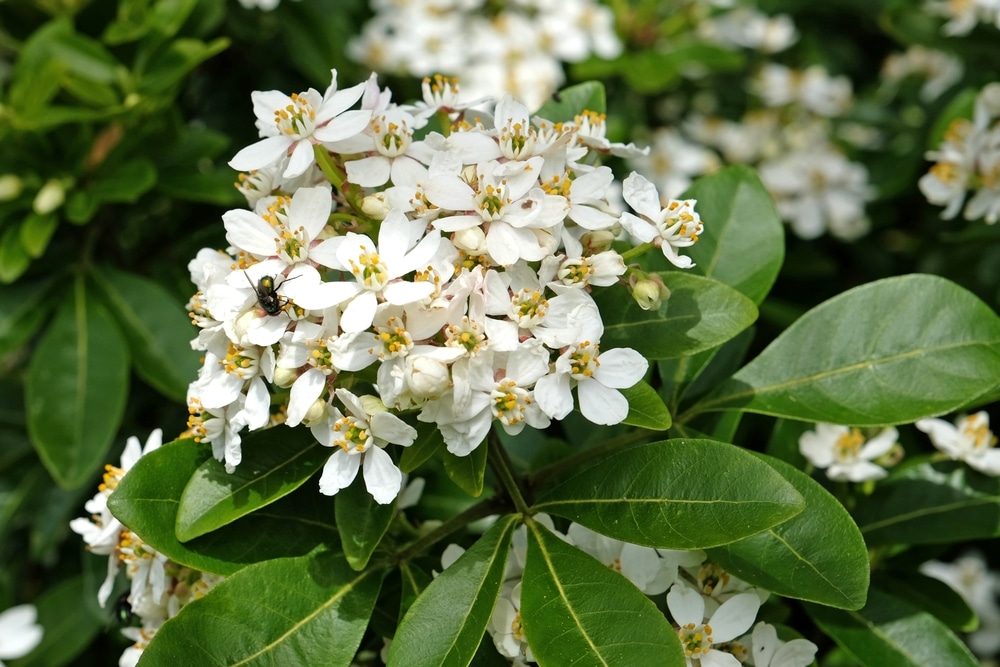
[
  {"x": 285, "y": 230},
  {"x": 969, "y": 440},
  {"x": 19, "y": 632},
  {"x": 844, "y": 452},
  {"x": 361, "y": 436},
  {"x": 729, "y": 621},
  {"x": 597, "y": 377},
  {"x": 970, "y": 576},
  {"x": 769, "y": 651},
  {"x": 643, "y": 566},
  {"x": 675, "y": 226},
  {"x": 291, "y": 125}
]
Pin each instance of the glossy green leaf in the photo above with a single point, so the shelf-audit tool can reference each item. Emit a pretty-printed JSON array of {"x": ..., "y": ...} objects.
[
  {"x": 22, "y": 313},
  {"x": 446, "y": 623},
  {"x": 569, "y": 102},
  {"x": 36, "y": 232},
  {"x": 743, "y": 244},
  {"x": 645, "y": 408},
  {"x": 70, "y": 618},
  {"x": 123, "y": 182},
  {"x": 676, "y": 494},
  {"x": 147, "y": 500},
  {"x": 929, "y": 594},
  {"x": 168, "y": 66},
  {"x": 700, "y": 314},
  {"x": 817, "y": 555},
  {"x": 468, "y": 472},
  {"x": 428, "y": 442},
  {"x": 276, "y": 461},
  {"x": 576, "y": 611},
  {"x": 311, "y": 610},
  {"x": 931, "y": 503},
  {"x": 698, "y": 374},
  {"x": 76, "y": 388},
  {"x": 413, "y": 582},
  {"x": 888, "y": 352},
  {"x": 157, "y": 328},
  {"x": 14, "y": 259},
  {"x": 889, "y": 631},
  {"x": 362, "y": 522}
]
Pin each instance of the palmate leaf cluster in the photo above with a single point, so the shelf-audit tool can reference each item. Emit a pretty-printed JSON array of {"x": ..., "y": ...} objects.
[{"x": 706, "y": 458}]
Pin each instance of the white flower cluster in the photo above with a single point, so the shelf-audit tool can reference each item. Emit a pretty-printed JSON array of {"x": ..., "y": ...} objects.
[
  {"x": 968, "y": 159},
  {"x": 453, "y": 273},
  {"x": 749, "y": 28},
  {"x": 846, "y": 454},
  {"x": 965, "y": 15},
  {"x": 159, "y": 587},
  {"x": 939, "y": 70},
  {"x": 711, "y": 608},
  {"x": 516, "y": 47},
  {"x": 970, "y": 576}
]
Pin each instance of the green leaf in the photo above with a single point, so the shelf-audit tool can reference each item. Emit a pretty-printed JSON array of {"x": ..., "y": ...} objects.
[
  {"x": 413, "y": 582},
  {"x": 23, "y": 312},
  {"x": 14, "y": 259},
  {"x": 889, "y": 631},
  {"x": 446, "y": 623},
  {"x": 930, "y": 594},
  {"x": 361, "y": 522},
  {"x": 157, "y": 328},
  {"x": 888, "y": 352},
  {"x": 168, "y": 66},
  {"x": 569, "y": 102},
  {"x": 575, "y": 610},
  {"x": 743, "y": 244},
  {"x": 123, "y": 182},
  {"x": 931, "y": 503},
  {"x": 76, "y": 388},
  {"x": 147, "y": 500},
  {"x": 428, "y": 442},
  {"x": 676, "y": 494},
  {"x": 646, "y": 408},
  {"x": 467, "y": 471},
  {"x": 311, "y": 610},
  {"x": 36, "y": 232},
  {"x": 700, "y": 314},
  {"x": 817, "y": 555},
  {"x": 275, "y": 463},
  {"x": 71, "y": 620}
]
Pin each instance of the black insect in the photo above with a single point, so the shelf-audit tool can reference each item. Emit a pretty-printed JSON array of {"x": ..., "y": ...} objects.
[
  {"x": 122, "y": 615},
  {"x": 267, "y": 294}
]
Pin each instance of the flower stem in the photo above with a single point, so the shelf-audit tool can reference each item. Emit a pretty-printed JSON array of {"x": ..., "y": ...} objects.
[
  {"x": 504, "y": 469},
  {"x": 335, "y": 174},
  {"x": 637, "y": 251}
]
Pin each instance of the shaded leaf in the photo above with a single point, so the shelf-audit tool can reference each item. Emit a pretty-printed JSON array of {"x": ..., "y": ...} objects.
[
  {"x": 569, "y": 102},
  {"x": 646, "y": 408},
  {"x": 361, "y": 522},
  {"x": 468, "y": 472}
]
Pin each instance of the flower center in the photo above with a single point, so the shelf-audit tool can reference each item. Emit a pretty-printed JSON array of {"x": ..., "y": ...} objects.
[
  {"x": 848, "y": 446},
  {"x": 370, "y": 271},
  {"x": 712, "y": 578},
  {"x": 290, "y": 244},
  {"x": 979, "y": 433},
  {"x": 298, "y": 119},
  {"x": 396, "y": 341},
  {"x": 354, "y": 436},
  {"x": 509, "y": 402},
  {"x": 584, "y": 361},
  {"x": 575, "y": 270},
  {"x": 238, "y": 363},
  {"x": 696, "y": 640},
  {"x": 468, "y": 335},
  {"x": 528, "y": 308},
  {"x": 492, "y": 200},
  {"x": 392, "y": 137}
]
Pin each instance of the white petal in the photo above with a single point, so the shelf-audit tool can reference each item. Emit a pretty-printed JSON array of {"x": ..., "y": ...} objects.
[
  {"x": 344, "y": 126},
  {"x": 338, "y": 472},
  {"x": 686, "y": 605},
  {"x": 310, "y": 209},
  {"x": 258, "y": 404},
  {"x": 305, "y": 390},
  {"x": 20, "y": 633},
  {"x": 302, "y": 157},
  {"x": 360, "y": 312},
  {"x": 368, "y": 172},
  {"x": 796, "y": 653},
  {"x": 620, "y": 368},
  {"x": 552, "y": 392},
  {"x": 249, "y": 232},
  {"x": 401, "y": 292},
  {"x": 641, "y": 195},
  {"x": 387, "y": 426},
  {"x": 734, "y": 617},
  {"x": 382, "y": 477},
  {"x": 600, "y": 404},
  {"x": 261, "y": 154}
]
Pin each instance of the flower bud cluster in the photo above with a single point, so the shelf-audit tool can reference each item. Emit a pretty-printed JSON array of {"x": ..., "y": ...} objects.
[{"x": 446, "y": 276}]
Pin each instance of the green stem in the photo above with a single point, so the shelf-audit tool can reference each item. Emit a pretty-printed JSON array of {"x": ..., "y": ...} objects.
[
  {"x": 504, "y": 468},
  {"x": 453, "y": 525},
  {"x": 540, "y": 478},
  {"x": 637, "y": 251},
  {"x": 335, "y": 174}
]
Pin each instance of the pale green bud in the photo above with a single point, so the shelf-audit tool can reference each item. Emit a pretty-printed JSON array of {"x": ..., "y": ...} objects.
[
  {"x": 50, "y": 197},
  {"x": 10, "y": 186}
]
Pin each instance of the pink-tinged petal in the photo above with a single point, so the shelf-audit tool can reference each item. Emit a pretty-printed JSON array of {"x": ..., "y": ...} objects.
[
  {"x": 402, "y": 292},
  {"x": 734, "y": 617},
  {"x": 360, "y": 313},
  {"x": 338, "y": 473},
  {"x": 261, "y": 154},
  {"x": 249, "y": 232},
  {"x": 310, "y": 209},
  {"x": 305, "y": 390},
  {"x": 600, "y": 404},
  {"x": 344, "y": 126},
  {"x": 553, "y": 395},
  {"x": 368, "y": 172},
  {"x": 620, "y": 367},
  {"x": 302, "y": 157},
  {"x": 325, "y": 253},
  {"x": 642, "y": 196},
  {"x": 450, "y": 193},
  {"x": 686, "y": 605},
  {"x": 382, "y": 477},
  {"x": 387, "y": 426}
]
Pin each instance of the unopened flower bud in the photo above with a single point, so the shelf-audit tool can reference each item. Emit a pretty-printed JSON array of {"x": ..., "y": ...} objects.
[
  {"x": 426, "y": 377},
  {"x": 10, "y": 186},
  {"x": 650, "y": 293},
  {"x": 375, "y": 206},
  {"x": 471, "y": 241},
  {"x": 372, "y": 404},
  {"x": 50, "y": 197},
  {"x": 598, "y": 241},
  {"x": 315, "y": 413},
  {"x": 284, "y": 377}
]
